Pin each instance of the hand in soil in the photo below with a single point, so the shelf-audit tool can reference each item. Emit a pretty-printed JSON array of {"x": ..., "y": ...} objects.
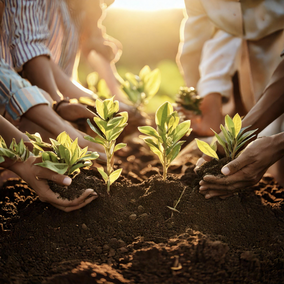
[
  {"x": 244, "y": 171},
  {"x": 37, "y": 178}
]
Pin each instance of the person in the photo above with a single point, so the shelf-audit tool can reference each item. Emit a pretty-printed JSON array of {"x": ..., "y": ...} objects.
[
  {"x": 248, "y": 168},
  {"x": 37, "y": 176},
  {"x": 44, "y": 51},
  {"x": 29, "y": 106},
  {"x": 222, "y": 38}
]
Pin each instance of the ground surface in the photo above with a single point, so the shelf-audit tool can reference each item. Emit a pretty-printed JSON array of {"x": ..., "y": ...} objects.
[{"x": 132, "y": 236}]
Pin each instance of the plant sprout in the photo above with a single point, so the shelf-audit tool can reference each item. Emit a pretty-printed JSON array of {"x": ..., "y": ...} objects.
[
  {"x": 188, "y": 98},
  {"x": 231, "y": 139},
  {"x": 139, "y": 89},
  {"x": 64, "y": 155},
  {"x": 17, "y": 152},
  {"x": 164, "y": 141},
  {"x": 109, "y": 125}
]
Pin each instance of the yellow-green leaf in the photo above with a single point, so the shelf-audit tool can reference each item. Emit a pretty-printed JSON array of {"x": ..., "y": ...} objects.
[
  {"x": 237, "y": 123},
  {"x": 206, "y": 149}
]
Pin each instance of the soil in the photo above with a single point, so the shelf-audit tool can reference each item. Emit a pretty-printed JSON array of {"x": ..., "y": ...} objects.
[{"x": 131, "y": 235}]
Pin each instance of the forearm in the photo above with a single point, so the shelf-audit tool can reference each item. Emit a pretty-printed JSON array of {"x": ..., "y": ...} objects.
[
  {"x": 39, "y": 72},
  {"x": 270, "y": 105},
  {"x": 8, "y": 131},
  {"x": 278, "y": 145},
  {"x": 66, "y": 87}
]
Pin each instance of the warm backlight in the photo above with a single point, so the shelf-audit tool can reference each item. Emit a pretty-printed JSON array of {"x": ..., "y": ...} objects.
[{"x": 148, "y": 5}]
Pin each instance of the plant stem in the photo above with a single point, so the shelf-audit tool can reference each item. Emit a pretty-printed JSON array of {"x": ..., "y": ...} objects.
[{"x": 165, "y": 169}]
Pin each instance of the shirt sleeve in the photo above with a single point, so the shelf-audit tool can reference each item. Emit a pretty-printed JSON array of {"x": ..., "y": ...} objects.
[
  {"x": 28, "y": 31},
  {"x": 17, "y": 94},
  {"x": 195, "y": 30}
]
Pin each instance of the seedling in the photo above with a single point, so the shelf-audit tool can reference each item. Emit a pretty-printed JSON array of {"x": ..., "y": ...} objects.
[
  {"x": 164, "y": 141},
  {"x": 231, "y": 139},
  {"x": 17, "y": 152},
  {"x": 64, "y": 155},
  {"x": 188, "y": 98},
  {"x": 109, "y": 125},
  {"x": 139, "y": 89}
]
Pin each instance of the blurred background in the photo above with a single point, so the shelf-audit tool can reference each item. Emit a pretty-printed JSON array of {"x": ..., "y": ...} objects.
[{"x": 149, "y": 33}]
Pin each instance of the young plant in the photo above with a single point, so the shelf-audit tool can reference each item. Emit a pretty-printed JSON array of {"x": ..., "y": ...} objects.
[
  {"x": 164, "y": 141},
  {"x": 188, "y": 98},
  {"x": 231, "y": 139},
  {"x": 109, "y": 125},
  {"x": 17, "y": 152},
  {"x": 64, "y": 155},
  {"x": 139, "y": 89}
]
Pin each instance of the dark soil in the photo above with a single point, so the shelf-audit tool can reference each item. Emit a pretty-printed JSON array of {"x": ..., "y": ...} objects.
[{"x": 132, "y": 236}]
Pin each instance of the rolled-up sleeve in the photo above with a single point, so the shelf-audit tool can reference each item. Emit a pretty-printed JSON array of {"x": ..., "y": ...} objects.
[
  {"x": 28, "y": 31},
  {"x": 17, "y": 95}
]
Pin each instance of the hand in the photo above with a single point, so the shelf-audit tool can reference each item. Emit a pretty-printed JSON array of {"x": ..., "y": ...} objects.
[
  {"x": 37, "y": 177},
  {"x": 244, "y": 171},
  {"x": 211, "y": 117},
  {"x": 73, "y": 112}
]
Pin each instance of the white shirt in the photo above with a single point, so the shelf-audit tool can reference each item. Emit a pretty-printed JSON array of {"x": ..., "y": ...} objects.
[{"x": 220, "y": 37}]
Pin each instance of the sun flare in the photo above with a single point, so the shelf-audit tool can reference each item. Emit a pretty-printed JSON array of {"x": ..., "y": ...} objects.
[{"x": 148, "y": 5}]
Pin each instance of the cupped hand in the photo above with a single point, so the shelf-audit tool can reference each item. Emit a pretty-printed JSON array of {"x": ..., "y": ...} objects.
[
  {"x": 73, "y": 111},
  {"x": 244, "y": 171},
  {"x": 37, "y": 177}
]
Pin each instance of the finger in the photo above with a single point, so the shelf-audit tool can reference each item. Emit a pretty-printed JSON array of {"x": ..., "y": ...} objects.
[
  {"x": 57, "y": 178},
  {"x": 225, "y": 187},
  {"x": 75, "y": 207},
  {"x": 235, "y": 165},
  {"x": 220, "y": 194}
]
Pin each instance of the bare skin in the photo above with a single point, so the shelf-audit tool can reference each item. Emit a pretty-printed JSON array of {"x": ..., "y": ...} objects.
[
  {"x": 212, "y": 117},
  {"x": 37, "y": 176},
  {"x": 44, "y": 117},
  {"x": 250, "y": 166}
]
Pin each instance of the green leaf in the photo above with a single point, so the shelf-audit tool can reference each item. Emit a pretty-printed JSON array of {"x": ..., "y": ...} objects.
[
  {"x": 237, "y": 124},
  {"x": 152, "y": 83},
  {"x": 174, "y": 152},
  {"x": 181, "y": 130},
  {"x": 100, "y": 108},
  {"x": 162, "y": 114},
  {"x": 150, "y": 131},
  {"x": 103, "y": 174},
  {"x": 154, "y": 148},
  {"x": 144, "y": 71},
  {"x": 78, "y": 166},
  {"x": 114, "y": 176},
  {"x": 206, "y": 149},
  {"x": 229, "y": 124},
  {"x": 95, "y": 129},
  {"x": 2, "y": 159},
  {"x": 59, "y": 168},
  {"x": 119, "y": 146}
]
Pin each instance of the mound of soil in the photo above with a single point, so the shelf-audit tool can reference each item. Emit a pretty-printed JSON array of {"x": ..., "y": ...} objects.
[{"x": 131, "y": 235}]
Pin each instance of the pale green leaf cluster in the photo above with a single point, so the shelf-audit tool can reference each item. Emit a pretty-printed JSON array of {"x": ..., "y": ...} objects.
[
  {"x": 188, "y": 98},
  {"x": 139, "y": 89},
  {"x": 232, "y": 138},
  {"x": 109, "y": 125},
  {"x": 17, "y": 152},
  {"x": 164, "y": 141},
  {"x": 64, "y": 155}
]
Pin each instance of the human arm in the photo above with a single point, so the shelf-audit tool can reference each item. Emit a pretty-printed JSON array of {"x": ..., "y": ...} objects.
[
  {"x": 252, "y": 163},
  {"x": 37, "y": 177}
]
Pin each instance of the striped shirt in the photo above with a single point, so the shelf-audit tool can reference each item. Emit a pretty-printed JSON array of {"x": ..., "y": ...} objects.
[
  {"x": 39, "y": 27},
  {"x": 16, "y": 94}
]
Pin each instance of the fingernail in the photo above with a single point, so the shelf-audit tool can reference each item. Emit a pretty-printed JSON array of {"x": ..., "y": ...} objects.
[
  {"x": 201, "y": 182},
  {"x": 202, "y": 188},
  {"x": 67, "y": 181},
  {"x": 207, "y": 196},
  {"x": 225, "y": 171}
]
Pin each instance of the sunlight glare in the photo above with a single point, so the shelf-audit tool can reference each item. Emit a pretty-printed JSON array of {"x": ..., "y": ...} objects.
[{"x": 148, "y": 5}]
